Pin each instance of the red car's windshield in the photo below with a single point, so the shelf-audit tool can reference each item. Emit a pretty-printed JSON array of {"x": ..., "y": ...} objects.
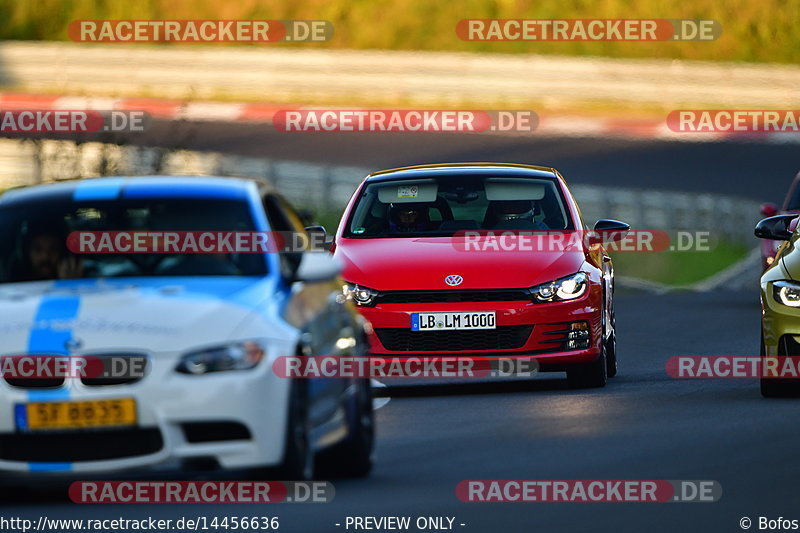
[{"x": 445, "y": 205}]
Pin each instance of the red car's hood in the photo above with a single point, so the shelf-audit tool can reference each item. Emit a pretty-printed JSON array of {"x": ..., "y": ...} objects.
[{"x": 423, "y": 264}]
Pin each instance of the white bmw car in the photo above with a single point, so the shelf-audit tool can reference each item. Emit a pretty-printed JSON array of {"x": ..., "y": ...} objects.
[{"x": 205, "y": 330}]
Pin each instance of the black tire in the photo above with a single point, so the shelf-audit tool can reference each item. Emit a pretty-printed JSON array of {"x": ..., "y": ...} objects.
[
  {"x": 777, "y": 388},
  {"x": 610, "y": 345},
  {"x": 298, "y": 456},
  {"x": 611, "y": 355},
  {"x": 354, "y": 456},
  {"x": 595, "y": 374},
  {"x": 774, "y": 388},
  {"x": 590, "y": 375}
]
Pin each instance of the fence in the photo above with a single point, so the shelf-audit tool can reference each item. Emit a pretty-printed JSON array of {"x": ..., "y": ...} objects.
[{"x": 328, "y": 187}]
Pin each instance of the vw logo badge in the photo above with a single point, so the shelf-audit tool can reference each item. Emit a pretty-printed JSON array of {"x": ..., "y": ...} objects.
[{"x": 454, "y": 280}]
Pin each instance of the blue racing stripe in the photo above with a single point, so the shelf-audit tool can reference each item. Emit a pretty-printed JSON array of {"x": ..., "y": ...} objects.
[
  {"x": 98, "y": 189},
  {"x": 200, "y": 189},
  {"x": 48, "y": 338},
  {"x": 44, "y": 338},
  {"x": 49, "y": 467}
]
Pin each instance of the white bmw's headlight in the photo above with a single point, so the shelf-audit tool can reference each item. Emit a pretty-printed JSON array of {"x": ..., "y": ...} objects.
[
  {"x": 238, "y": 356},
  {"x": 568, "y": 288},
  {"x": 786, "y": 293}
]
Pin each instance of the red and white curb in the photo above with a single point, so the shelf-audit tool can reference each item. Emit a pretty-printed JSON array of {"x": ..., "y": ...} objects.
[
  {"x": 159, "y": 108},
  {"x": 568, "y": 126}
]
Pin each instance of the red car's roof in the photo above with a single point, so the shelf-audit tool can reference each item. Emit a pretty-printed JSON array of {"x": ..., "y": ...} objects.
[{"x": 506, "y": 169}]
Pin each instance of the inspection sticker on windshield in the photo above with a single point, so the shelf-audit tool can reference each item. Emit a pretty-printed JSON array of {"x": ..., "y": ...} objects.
[
  {"x": 407, "y": 191},
  {"x": 453, "y": 321}
]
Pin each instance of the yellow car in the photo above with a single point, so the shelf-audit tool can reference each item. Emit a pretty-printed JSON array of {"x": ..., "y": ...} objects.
[{"x": 780, "y": 302}]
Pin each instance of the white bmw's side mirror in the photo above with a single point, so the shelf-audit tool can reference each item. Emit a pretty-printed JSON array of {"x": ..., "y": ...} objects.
[{"x": 318, "y": 266}]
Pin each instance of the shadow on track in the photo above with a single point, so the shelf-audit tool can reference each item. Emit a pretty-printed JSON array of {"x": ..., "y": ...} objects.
[{"x": 420, "y": 390}]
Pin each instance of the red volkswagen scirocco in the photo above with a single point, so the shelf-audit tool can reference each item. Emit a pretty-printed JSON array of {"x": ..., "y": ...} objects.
[{"x": 481, "y": 260}]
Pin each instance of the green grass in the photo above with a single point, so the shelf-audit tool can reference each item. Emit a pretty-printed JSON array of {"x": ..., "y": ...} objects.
[
  {"x": 678, "y": 268},
  {"x": 758, "y": 31}
]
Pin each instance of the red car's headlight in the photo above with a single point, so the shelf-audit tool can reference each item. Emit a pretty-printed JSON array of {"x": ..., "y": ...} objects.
[
  {"x": 568, "y": 288},
  {"x": 361, "y": 296}
]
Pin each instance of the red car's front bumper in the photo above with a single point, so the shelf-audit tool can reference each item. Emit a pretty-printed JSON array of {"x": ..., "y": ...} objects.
[{"x": 524, "y": 329}]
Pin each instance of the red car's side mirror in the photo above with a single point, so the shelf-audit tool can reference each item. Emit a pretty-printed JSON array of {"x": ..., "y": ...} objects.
[
  {"x": 608, "y": 231},
  {"x": 769, "y": 209}
]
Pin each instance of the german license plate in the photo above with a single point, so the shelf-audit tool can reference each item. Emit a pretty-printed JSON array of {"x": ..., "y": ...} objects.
[
  {"x": 453, "y": 321},
  {"x": 75, "y": 415}
]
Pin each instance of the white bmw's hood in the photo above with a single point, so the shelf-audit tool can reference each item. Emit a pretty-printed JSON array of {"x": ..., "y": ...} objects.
[{"x": 150, "y": 314}]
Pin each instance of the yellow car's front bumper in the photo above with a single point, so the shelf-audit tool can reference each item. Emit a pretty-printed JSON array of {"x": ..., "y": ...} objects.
[{"x": 780, "y": 323}]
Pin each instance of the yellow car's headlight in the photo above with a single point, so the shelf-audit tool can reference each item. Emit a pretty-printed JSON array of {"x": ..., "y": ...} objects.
[{"x": 786, "y": 293}]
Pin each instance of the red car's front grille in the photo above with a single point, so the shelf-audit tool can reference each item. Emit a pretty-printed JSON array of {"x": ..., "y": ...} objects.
[
  {"x": 453, "y": 296},
  {"x": 502, "y": 338}
]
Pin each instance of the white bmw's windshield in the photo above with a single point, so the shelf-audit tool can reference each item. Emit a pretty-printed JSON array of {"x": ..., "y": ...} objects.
[{"x": 33, "y": 238}]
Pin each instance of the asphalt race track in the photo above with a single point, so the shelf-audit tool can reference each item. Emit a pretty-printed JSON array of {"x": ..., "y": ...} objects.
[{"x": 643, "y": 425}]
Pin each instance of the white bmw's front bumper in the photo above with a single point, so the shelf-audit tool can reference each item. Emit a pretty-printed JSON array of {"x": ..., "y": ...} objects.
[{"x": 165, "y": 401}]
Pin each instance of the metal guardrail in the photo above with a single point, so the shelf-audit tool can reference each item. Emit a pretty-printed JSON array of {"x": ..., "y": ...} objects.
[
  {"x": 328, "y": 187},
  {"x": 439, "y": 78}
]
